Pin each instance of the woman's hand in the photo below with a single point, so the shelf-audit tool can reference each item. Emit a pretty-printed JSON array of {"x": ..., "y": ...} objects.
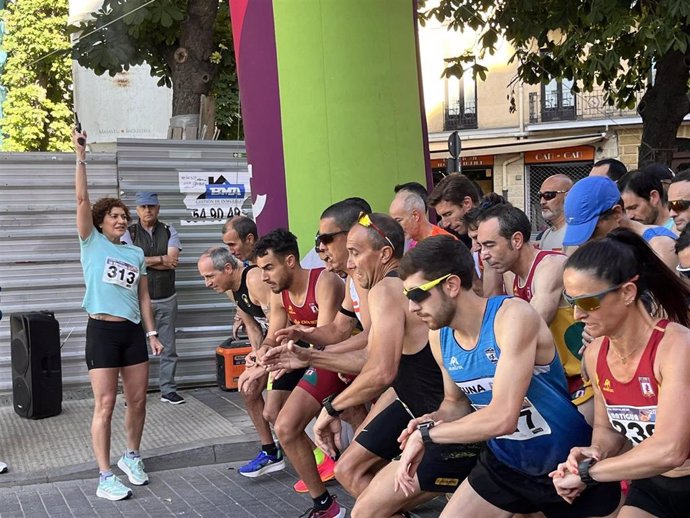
[
  {"x": 80, "y": 149},
  {"x": 156, "y": 345}
]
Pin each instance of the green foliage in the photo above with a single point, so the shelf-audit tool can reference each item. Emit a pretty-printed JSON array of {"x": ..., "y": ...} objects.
[
  {"x": 37, "y": 110},
  {"x": 611, "y": 44},
  {"x": 125, "y": 33}
]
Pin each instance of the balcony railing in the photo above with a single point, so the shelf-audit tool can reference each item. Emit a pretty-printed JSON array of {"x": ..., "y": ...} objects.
[
  {"x": 581, "y": 106},
  {"x": 460, "y": 115}
]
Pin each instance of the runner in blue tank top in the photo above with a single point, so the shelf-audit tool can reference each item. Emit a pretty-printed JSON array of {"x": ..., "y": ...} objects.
[{"x": 499, "y": 354}]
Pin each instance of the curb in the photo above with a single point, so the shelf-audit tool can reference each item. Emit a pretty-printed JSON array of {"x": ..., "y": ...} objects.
[{"x": 230, "y": 449}]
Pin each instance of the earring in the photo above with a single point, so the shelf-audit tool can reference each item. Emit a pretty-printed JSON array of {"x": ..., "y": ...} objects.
[{"x": 628, "y": 302}]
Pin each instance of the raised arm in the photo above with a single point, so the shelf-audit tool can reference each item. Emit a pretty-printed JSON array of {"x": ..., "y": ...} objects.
[{"x": 84, "y": 217}]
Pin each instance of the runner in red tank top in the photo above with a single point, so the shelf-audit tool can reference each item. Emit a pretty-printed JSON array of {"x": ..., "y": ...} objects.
[
  {"x": 633, "y": 356},
  {"x": 309, "y": 297},
  {"x": 535, "y": 276},
  {"x": 306, "y": 313}
]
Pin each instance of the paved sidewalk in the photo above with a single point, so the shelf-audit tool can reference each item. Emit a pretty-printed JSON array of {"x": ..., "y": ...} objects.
[
  {"x": 191, "y": 452},
  {"x": 212, "y": 426},
  {"x": 201, "y": 491}
]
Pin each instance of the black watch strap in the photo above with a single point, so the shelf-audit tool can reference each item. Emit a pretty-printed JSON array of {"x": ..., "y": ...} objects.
[
  {"x": 328, "y": 405},
  {"x": 424, "y": 431},
  {"x": 583, "y": 470}
]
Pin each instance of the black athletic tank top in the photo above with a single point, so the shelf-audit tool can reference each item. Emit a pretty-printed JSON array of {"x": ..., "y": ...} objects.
[
  {"x": 242, "y": 297},
  {"x": 419, "y": 383}
]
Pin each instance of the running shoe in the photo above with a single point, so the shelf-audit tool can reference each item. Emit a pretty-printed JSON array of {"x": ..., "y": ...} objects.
[
  {"x": 173, "y": 398},
  {"x": 263, "y": 463},
  {"x": 112, "y": 488},
  {"x": 326, "y": 472},
  {"x": 335, "y": 510},
  {"x": 134, "y": 469},
  {"x": 3, "y": 467}
]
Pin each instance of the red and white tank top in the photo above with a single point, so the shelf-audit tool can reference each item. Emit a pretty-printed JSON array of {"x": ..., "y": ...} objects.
[
  {"x": 631, "y": 406},
  {"x": 306, "y": 314},
  {"x": 525, "y": 292}
]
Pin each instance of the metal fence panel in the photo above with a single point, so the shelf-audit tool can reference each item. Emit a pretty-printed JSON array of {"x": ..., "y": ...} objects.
[
  {"x": 536, "y": 174},
  {"x": 39, "y": 248},
  {"x": 204, "y": 317}
]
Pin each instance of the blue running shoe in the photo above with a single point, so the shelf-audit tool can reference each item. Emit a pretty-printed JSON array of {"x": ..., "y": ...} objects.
[
  {"x": 262, "y": 464},
  {"x": 134, "y": 469},
  {"x": 113, "y": 489}
]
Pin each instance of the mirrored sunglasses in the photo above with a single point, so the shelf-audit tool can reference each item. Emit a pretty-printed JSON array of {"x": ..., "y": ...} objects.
[
  {"x": 589, "y": 302},
  {"x": 421, "y": 293}
]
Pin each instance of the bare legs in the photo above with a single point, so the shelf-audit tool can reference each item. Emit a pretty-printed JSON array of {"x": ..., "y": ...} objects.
[{"x": 104, "y": 386}]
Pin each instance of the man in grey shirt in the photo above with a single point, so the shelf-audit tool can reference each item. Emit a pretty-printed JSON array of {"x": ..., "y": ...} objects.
[{"x": 551, "y": 198}]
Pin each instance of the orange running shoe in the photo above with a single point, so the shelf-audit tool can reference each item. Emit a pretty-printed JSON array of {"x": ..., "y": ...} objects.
[{"x": 326, "y": 472}]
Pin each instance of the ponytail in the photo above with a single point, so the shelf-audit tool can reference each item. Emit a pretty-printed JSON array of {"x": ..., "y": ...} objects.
[{"x": 622, "y": 255}]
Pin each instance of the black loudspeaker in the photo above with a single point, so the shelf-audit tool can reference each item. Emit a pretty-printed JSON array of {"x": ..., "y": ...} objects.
[{"x": 36, "y": 364}]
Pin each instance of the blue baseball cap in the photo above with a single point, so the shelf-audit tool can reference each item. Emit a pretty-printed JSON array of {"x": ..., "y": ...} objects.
[
  {"x": 585, "y": 202},
  {"x": 147, "y": 198}
]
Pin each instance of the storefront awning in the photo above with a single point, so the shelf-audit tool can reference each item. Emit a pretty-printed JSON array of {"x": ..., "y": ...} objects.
[{"x": 503, "y": 146}]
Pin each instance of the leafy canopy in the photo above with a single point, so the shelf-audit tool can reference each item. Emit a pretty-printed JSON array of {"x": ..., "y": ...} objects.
[
  {"x": 610, "y": 43},
  {"x": 124, "y": 33},
  {"x": 37, "y": 110}
]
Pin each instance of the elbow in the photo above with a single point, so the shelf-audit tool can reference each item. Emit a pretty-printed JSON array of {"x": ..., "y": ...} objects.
[
  {"x": 506, "y": 425},
  {"x": 673, "y": 457},
  {"x": 383, "y": 379}
]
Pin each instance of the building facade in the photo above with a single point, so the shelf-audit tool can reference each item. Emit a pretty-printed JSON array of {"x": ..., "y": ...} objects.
[{"x": 515, "y": 135}]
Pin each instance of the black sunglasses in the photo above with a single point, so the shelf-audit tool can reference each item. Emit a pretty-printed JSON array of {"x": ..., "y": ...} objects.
[
  {"x": 327, "y": 239},
  {"x": 549, "y": 195},
  {"x": 679, "y": 205}
]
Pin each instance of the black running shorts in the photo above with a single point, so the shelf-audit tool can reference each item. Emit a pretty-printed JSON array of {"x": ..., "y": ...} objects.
[
  {"x": 114, "y": 344},
  {"x": 443, "y": 467},
  {"x": 661, "y": 496},
  {"x": 517, "y": 492},
  {"x": 289, "y": 380}
]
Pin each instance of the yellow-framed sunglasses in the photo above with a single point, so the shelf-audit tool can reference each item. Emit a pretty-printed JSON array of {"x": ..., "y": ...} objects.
[
  {"x": 421, "y": 293},
  {"x": 365, "y": 221}
]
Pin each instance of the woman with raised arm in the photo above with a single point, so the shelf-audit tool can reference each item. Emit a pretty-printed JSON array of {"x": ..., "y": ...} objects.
[
  {"x": 117, "y": 301},
  {"x": 640, "y": 366}
]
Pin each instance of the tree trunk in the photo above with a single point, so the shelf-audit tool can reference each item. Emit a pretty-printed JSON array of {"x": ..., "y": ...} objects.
[
  {"x": 190, "y": 69},
  {"x": 663, "y": 107}
]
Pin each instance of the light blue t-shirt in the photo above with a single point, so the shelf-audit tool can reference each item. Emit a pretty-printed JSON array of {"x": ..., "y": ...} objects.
[{"x": 111, "y": 275}]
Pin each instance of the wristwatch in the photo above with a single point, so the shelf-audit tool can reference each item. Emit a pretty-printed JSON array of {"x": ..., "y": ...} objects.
[
  {"x": 424, "y": 431},
  {"x": 328, "y": 405},
  {"x": 583, "y": 470},
  {"x": 151, "y": 333}
]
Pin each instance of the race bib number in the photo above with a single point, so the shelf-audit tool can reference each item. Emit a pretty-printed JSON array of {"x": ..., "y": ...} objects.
[
  {"x": 530, "y": 424},
  {"x": 636, "y": 423},
  {"x": 120, "y": 273}
]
